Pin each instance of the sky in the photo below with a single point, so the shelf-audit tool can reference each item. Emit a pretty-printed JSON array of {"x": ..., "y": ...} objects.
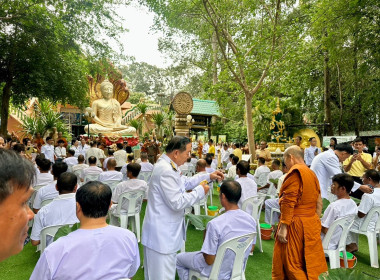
[{"x": 141, "y": 42}]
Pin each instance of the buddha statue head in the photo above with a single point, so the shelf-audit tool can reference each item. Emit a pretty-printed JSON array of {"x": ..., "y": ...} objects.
[{"x": 106, "y": 88}]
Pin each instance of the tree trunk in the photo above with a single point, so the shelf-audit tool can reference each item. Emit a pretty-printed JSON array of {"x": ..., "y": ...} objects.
[
  {"x": 250, "y": 131},
  {"x": 5, "y": 108},
  {"x": 214, "y": 44},
  {"x": 327, "y": 97},
  {"x": 340, "y": 103}
]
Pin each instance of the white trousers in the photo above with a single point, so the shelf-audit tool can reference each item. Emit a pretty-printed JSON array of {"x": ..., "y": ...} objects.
[
  {"x": 159, "y": 266},
  {"x": 194, "y": 261},
  {"x": 269, "y": 204}
]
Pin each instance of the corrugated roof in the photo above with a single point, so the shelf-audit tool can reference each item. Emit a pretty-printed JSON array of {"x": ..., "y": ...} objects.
[{"x": 205, "y": 107}]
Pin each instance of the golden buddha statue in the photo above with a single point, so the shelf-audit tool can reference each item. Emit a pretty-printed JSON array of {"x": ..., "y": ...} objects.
[{"x": 108, "y": 115}]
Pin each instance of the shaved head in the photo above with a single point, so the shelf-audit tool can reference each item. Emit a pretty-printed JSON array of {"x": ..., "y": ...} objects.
[{"x": 295, "y": 151}]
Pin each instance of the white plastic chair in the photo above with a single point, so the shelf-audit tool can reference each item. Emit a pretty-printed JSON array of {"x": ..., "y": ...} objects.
[
  {"x": 46, "y": 202},
  {"x": 48, "y": 231},
  {"x": 239, "y": 246},
  {"x": 134, "y": 208},
  {"x": 78, "y": 174},
  {"x": 271, "y": 214},
  {"x": 344, "y": 223},
  {"x": 262, "y": 180},
  {"x": 33, "y": 196},
  {"x": 371, "y": 235},
  {"x": 272, "y": 191},
  {"x": 145, "y": 176},
  {"x": 187, "y": 211},
  {"x": 255, "y": 203},
  {"x": 197, "y": 205},
  {"x": 91, "y": 177},
  {"x": 112, "y": 184}
]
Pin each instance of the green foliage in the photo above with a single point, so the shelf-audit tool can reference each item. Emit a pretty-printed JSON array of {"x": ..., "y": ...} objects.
[
  {"x": 137, "y": 124},
  {"x": 135, "y": 97},
  {"x": 142, "y": 107},
  {"x": 348, "y": 274},
  {"x": 43, "y": 120}
]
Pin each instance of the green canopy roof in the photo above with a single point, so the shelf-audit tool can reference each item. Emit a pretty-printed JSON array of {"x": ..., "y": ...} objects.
[{"x": 205, "y": 107}]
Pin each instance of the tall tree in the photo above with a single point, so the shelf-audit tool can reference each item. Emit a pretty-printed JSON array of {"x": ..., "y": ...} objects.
[{"x": 46, "y": 48}]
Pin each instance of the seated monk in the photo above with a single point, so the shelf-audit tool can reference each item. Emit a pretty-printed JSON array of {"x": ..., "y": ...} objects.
[{"x": 108, "y": 114}]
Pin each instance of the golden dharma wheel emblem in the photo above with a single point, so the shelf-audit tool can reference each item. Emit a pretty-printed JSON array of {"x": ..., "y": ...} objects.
[{"x": 183, "y": 103}]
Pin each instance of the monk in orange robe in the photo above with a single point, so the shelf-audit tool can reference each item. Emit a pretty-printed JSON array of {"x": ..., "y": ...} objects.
[
  {"x": 298, "y": 252},
  {"x": 200, "y": 148}
]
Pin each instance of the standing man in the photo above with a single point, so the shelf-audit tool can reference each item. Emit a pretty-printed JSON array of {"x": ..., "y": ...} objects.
[
  {"x": 48, "y": 149},
  {"x": 163, "y": 230},
  {"x": 312, "y": 151},
  {"x": 238, "y": 152},
  {"x": 60, "y": 150},
  {"x": 211, "y": 149},
  {"x": 298, "y": 251},
  {"x": 357, "y": 164},
  {"x": 225, "y": 155},
  {"x": 263, "y": 152},
  {"x": 326, "y": 165},
  {"x": 298, "y": 141}
]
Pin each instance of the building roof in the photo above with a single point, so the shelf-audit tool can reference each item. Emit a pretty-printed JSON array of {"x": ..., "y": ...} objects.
[{"x": 205, "y": 107}]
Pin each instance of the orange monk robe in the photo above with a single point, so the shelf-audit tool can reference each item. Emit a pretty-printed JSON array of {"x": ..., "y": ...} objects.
[
  {"x": 200, "y": 148},
  {"x": 302, "y": 257}
]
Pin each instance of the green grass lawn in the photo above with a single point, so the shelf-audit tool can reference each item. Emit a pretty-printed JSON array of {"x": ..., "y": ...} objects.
[{"x": 259, "y": 265}]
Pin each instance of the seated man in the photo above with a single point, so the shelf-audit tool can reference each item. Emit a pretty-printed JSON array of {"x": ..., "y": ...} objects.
[
  {"x": 342, "y": 207},
  {"x": 133, "y": 184},
  {"x": 232, "y": 170},
  {"x": 111, "y": 174},
  {"x": 194, "y": 159},
  {"x": 60, "y": 211},
  {"x": 371, "y": 177},
  {"x": 130, "y": 159},
  {"x": 248, "y": 186},
  {"x": 234, "y": 222},
  {"x": 49, "y": 191},
  {"x": 186, "y": 166},
  {"x": 92, "y": 169},
  {"x": 81, "y": 165},
  {"x": 273, "y": 202},
  {"x": 229, "y": 163},
  {"x": 94, "y": 251},
  {"x": 44, "y": 177},
  {"x": 110, "y": 155},
  {"x": 275, "y": 174},
  {"x": 261, "y": 169},
  {"x": 146, "y": 166},
  {"x": 71, "y": 160},
  {"x": 15, "y": 189},
  {"x": 209, "y": 168}
]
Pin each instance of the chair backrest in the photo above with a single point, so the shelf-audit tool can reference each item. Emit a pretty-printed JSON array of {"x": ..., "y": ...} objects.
[
  {"x": 46, "y": 202},
  {"x": 145, "y": 176},
  {"x": 78, "y": 173},
  {"x": 238, "y": 245},
  {"x": 112, "y": 183},
  {"x": 69, "y": 168},
  {"x": 48, "y": 231},
  {"x": 132, "y": 199},
  {"x": 33, "y": 196},
  {"x": 255, "y": 203},
  {"x": 263, "y": 178},
  {"x": 345, "y": 224},
  {"x": 369, "y": 217},
  {"x": 91, "y": 177}
]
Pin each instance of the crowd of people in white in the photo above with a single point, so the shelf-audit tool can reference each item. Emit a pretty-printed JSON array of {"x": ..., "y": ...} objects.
[{"x": 80, "y": 183}]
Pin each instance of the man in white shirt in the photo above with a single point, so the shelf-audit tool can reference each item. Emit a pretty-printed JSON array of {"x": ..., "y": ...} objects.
[
  {"x": 232, "y": 170},
  {"x": 163, "y": 229},
  {"x": 110, "y": 155},
  {"x": 83, "y": 147},
  {"x": 76, "y": 148},
  {"x": 194, "y": 159},
  {"x": 205, "y": 149},
  {"x": 261, "y": 169},
  {"x": 225, "y": 155},
  {"x": 208, "y": 159},
  {"x": 326, "y": 165},
  {"x": 146, "y": 166},
  {"x": 229, "y": 164},
  {"x": 186, "y": 166},
  {"x": 91, "y": 170},
  {"x": 81, "y": 165},
  {"x": 233, "y": 223},
  {"x": 344, "y": 206},
  {"x": 49, "y": 191},
  {"x": 95, "y": 250},
  {"x": 273, "y": 175},
  {"x": 111, "y": 174},
  {"x": 48, "y": 149},
  {"x": 44, "y": 177},
  {"x": 312, "y": 151},
  {"x": 133, "y": 184},
  {"x": 60, "y": 211},
  {"x": 60, "y": 150},
  {"x": 369, "y": 200},
  {"x": 94, "y": 151},
  {"x": 71, "y": 160},
  {"x": 120, "y": 156},
  {"x": 248, "y": 186}
]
